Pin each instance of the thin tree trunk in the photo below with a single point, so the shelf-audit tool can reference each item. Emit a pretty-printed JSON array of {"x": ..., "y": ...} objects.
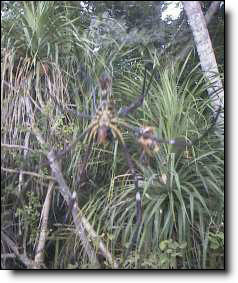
[
  {"x": 205, "y": 51},
  {"x": 208, "y": 17}
]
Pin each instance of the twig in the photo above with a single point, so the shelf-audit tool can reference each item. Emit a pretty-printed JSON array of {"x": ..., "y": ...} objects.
[
  {"x": 27, "y": 173},
  {"x": 16, "y": 146}
]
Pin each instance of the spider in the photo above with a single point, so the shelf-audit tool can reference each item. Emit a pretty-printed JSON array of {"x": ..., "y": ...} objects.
[{"x": 106, "y": 122}]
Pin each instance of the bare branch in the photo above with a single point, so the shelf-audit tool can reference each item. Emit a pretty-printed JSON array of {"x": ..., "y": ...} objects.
[
  {"x": 16, "y": 146},
  {"x": 27, "y": 173},
  {"x": 80, "y": 221},
  {"x": 39, "y": 257}
]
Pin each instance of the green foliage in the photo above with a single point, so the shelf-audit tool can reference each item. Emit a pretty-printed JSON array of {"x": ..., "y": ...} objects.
[
  {"x": 167, "y": 256},
  {"x": 216, "y": 240},
  {"x": 170, "y": 251},
  {"x": 182, "y": 188},
  {"x": 30, "y": 214},
  {"x": 180, "y": 192},
  {"x": 215, "y": 258}
]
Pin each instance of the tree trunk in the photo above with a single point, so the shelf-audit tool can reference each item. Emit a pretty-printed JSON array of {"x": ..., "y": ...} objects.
[{"x": 205, "y": 51}]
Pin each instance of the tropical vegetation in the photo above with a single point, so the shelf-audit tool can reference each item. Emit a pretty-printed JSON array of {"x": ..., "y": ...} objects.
[{"x": 52, "y": 56}]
